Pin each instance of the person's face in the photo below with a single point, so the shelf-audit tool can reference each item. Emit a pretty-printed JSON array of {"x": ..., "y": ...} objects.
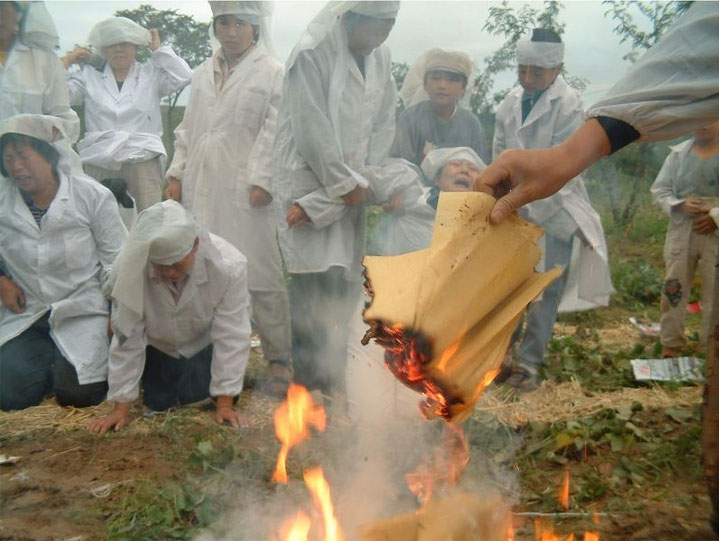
[
  {"x": 179, "y": 270},
  {"x": 365, "y": 36},
  {"x": 458, "y": 176},
  {"x": 120, "y": 56},
  {"x": 8, "y": 20},
  {"x": 234, "y": 35},
  {"x": 444, "y": 87},
  {"x": 707, "y": 133},
  {"x": 26, "y": 168},
  {"x": 534, "y": 79}
]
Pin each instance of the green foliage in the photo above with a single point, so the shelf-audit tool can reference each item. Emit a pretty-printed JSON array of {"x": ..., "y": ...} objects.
[
  {"x": 637, "y": 281},
  {"x": 660, "y": 15}
]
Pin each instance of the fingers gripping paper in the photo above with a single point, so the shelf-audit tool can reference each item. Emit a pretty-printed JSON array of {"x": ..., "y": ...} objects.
[{"x": 445, "y": 315}]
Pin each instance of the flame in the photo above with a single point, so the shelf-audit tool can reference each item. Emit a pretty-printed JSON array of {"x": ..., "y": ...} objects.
[
  {"x": 563, "y": 496},
  {"x": 510, "y": 531},
  {"x": 544, "y": 531},
  {"x": 297, "y": 528},
  {"x": 292, "y": 420},
  {"x": 446, "y": 466},
  {"x": 316, "y": 482},
  {"x": 448, "y": 353},
  {"x": 590, "y": 535}
]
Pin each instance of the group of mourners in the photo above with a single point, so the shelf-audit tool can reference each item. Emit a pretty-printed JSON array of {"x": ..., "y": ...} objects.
[{"x": 273, "y": 170}]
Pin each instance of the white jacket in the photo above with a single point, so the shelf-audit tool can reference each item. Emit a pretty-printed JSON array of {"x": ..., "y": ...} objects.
[
  {"x": 223, "y": 147},
  {"x": 319, "y": 154},
  {"x": 32, "y": 81},
  {"x": 555, "y": 116},
  {"x": 126, "y": 125},
  {"x": 212, "y": 309},
  {"x": 60, "y": 268}
]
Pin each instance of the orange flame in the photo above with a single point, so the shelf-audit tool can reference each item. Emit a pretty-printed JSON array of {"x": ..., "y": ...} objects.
[
  {"x": 297, "y": 528},
  {"x": 316, "y": 482},
  {"x": 292, "y": 420},
  {"x": 590, "y": 535},
  {"x": 446, "y": 466},
  {"x": 544, "y": 531},
  {"x": 564, "y": 491},
  {"x": 510, "y": 531}
]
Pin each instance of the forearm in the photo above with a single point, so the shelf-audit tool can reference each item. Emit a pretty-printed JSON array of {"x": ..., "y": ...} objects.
[{"x": 585, "y": 147}]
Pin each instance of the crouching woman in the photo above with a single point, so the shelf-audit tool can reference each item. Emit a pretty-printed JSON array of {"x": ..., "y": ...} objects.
[
  {"x": 59, "y": 233},
  {"x": 180, "y": 318}
]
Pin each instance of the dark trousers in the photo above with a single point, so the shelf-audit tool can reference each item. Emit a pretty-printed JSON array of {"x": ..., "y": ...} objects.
[
  {"x": 321, "y": 305},
  {"x": 169, "y": 382},
  {"x": 31, "y": 367}
]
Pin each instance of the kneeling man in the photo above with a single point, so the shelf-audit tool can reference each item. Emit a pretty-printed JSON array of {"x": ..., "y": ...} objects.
[{"x": 180, "y": 318}]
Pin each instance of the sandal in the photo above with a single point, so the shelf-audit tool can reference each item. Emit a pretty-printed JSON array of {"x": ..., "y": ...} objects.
[
  {"x": 277, "y": 383},
  {"x": 523, "y": 379}
]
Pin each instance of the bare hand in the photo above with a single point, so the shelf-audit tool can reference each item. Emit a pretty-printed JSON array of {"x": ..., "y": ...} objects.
[
  {"x": 174, "y": 189},
  {"x": 357, "y": 196},
  {"x": 79, "y": 55},
  {"x": 11, "y": 295},
  {"x": 156, "y": 43},
  {"x": 395, "y": 204},
  {"x": 116, "y": 419},
  {"x": 518, "y": 177},
  {"x": 693, "y": 207},
  {"x": 297, "y": 216},
  {"x": 259, "y": 197},
  {"x": 704, "y": 224},
  {"x": 227, "y": 414}
]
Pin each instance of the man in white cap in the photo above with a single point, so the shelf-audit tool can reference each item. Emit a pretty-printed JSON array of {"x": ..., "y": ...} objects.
[
  {"x": 180, "y": 318},
  {"x": 543, "y": 112},
  {"x": 337, "y": 118},
  {"x": 121, "y": 100},
  {"x": 435, "y": 95},
  {"x": 222, "y": 172}
]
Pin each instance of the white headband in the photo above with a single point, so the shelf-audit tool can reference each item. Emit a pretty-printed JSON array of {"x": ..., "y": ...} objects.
[{"x": 539, "y": 53}]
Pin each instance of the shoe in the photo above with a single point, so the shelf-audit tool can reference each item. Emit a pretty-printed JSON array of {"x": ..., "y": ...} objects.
[
  {"x": 276, "y": 385},
  {"x": 523, "y": 379}
]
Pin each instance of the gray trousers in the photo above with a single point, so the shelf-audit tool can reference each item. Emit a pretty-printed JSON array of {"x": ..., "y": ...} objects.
[
  {"x": 542, "y": 315},
  {"x": 31, "y": 367},
  {"x": 144, "y": 180},
  {"x": 271, "y": 318}
]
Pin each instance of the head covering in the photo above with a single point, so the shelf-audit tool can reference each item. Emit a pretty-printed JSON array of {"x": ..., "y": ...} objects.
[
  {"x": 436, "y": 159},
  {"x": 254, "y": 13},
  {"x": 543, "y": 54},
  {"x": 118, "y": 30},
  {"x": 49, "y": 129},
  {"x": 378, "y": 9},
  {"x": 327, "y": 24},
  {"x": 163, "y": 234},
  {"x": 413, "y": 91},
  {"x": 37, "y": 29}
]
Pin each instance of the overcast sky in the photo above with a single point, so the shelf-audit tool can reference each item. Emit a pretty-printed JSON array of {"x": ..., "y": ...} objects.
[{"x": 592, "y": 50}]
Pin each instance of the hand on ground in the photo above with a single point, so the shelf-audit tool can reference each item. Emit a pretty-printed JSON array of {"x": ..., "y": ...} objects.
[
  {"x": 116, "y": 419},
  {"x": 227, "y": 414}
]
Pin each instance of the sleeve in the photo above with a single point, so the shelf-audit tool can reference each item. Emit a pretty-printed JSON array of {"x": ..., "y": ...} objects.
[
  {"x": 172, "y": 71},
  {"x": 402, "y": 146},
  {"x": 663, "y": 188},
  {"x": 312, "y": 130},
  {"x": 126, "y": 363},
  {"x": 76, "y": 86},
  {"x": 479, "y": 141},
  {"x": 321, "y": 209},
  {"x": 384, "y": 121},
  {"x": 108, "y": 230},
  {"x": 259, "y": 162},
  {"x": 230, "y": 335},
  {"x": 182, "y": 133},
  {"x": 674, "y": 88},
  {"x": 56, "y": 98}
]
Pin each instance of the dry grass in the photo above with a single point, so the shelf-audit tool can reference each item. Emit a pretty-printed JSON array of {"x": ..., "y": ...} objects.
[{"x": 553, "y": 402}]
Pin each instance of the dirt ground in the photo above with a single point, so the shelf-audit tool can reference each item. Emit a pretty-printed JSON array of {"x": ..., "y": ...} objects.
[{"x": 70, "y": 485}]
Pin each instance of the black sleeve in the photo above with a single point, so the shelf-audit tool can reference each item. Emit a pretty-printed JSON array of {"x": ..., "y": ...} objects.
[{"x": 620, "y": 133}]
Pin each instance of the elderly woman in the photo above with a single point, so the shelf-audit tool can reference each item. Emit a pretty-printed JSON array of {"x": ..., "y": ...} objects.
[
  {"x": 122, "y": 105},
  {"x": 59, "y": 233},
  {"x": 31, "y": 77}
]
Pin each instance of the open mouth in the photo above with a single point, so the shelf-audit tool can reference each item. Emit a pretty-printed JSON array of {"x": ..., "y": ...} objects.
[{"x": 464, "y": 183}]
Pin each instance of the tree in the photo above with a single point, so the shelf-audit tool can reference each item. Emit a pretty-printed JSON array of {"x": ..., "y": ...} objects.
[
  {"x": 188, "y": 38},
  {"x": 630, "y": 171}
]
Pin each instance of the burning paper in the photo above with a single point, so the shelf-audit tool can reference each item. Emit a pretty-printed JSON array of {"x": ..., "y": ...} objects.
[{"x": 445, "y": 315}]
